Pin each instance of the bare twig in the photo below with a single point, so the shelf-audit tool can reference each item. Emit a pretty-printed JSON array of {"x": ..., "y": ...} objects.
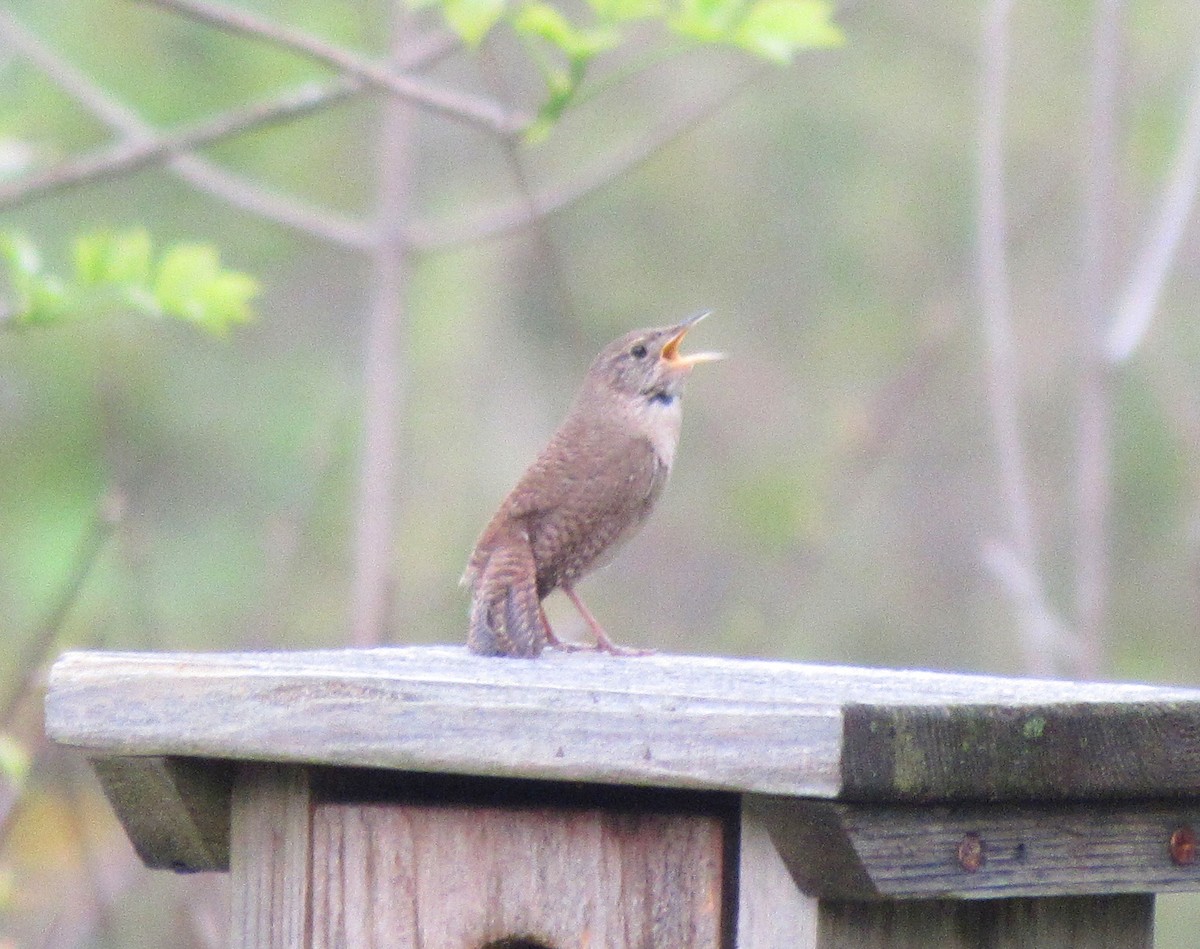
[
  {"x": 448, "y": 102},
  {"x": 374, "y": 548},
  {"x": 130, "y": 155},
  {"x": 1003, "y": 382},
  {"x": 108, "y": 514},
  {"x": 1093, "y": 484},
  {"x": 1139, "y": 299},
  {"x": 543, "y": 243},
  {"x": 198, "y": 171},
  {"x": 495, "y": 223}
]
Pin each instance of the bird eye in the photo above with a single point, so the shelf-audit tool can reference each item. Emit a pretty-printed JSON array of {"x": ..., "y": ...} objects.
[{"x": 638, "y": 351}]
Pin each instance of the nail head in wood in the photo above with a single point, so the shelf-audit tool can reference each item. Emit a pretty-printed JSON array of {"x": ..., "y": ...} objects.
[
  {"x": 1183, "y": 846},
  {"x": 971, "y": 853}
]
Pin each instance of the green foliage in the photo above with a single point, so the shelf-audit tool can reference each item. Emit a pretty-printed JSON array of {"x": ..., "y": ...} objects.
[
  {"x": 118, "y": 271},
  {"x": 563, "y": 50},
  {"x": 14, "y": 760}
]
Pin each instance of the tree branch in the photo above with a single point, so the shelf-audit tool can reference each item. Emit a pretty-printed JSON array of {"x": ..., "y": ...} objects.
[
  {"x": 1094, "y": 472},
  {"x": 1038, "y": 632},
  {"x": 131, "y": 155},
  {"x": 500, "y": 221},
  {"x": 108, "y": 514},
  {"x": 456, "y": 105},
  {"x": 198, "y": 171},
  {"x": 385, "y": 371},
  {"x": 1139, "y": 301}
]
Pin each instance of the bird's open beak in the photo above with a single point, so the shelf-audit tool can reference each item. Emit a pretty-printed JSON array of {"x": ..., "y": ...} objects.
[{"x": 670, "y": 352}]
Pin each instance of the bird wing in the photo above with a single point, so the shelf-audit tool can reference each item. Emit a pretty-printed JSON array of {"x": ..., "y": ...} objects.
[{"x": 586, "y": 520}]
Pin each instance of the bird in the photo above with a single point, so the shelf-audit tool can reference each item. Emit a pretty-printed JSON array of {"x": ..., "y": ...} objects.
[{"x": 589, "y": 490}]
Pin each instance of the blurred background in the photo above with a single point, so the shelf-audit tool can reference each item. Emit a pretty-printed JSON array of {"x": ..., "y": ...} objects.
[{"x": 959, "y": 427}]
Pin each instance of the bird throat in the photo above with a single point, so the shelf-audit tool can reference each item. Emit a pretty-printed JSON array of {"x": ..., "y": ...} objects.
[{"x": 658, "y": 417}]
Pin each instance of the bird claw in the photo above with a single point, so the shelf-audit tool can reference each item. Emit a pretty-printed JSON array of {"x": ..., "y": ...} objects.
[
  {"x": 606, "y": 646},
  {"x": 569, "y": 647}
]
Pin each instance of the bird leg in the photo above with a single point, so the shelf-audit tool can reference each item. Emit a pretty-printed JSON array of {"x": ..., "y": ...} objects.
[
  {"x": 603, "y": 643},
  {"x": 552, "y": 639}
]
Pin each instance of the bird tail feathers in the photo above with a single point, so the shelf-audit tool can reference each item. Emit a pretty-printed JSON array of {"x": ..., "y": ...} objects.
[{"x": 505, "y": 615}]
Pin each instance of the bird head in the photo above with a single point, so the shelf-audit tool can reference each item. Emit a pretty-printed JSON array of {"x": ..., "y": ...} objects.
[{"x": 648, "y": 364}]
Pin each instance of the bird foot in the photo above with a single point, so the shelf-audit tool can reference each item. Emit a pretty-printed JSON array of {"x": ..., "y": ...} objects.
[
  {"x": 565, "y": 646},
  {"x": 608, "y": 646},
  {"x": 604, "y": 645}
]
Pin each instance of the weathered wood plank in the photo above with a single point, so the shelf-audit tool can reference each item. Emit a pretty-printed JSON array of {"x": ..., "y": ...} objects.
[
  {"x": 1076, "y": 751},
  {"x": 773, "y": 912},
  {"x": 1078, "y": 922},
  {"x": 391, "y": 874},
  {"x": 175, "y": 810},
  {"x": 270, "y": 866},
  {"x": 763, "y": 727},
  {"x": 864, "y": 852}
]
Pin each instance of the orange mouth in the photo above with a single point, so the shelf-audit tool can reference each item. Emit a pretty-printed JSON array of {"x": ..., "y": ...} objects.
[{"x": 670, "y": 351}]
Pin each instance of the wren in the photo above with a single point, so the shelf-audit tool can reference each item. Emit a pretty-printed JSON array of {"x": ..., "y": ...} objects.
[{"x": 589, "y": 491}]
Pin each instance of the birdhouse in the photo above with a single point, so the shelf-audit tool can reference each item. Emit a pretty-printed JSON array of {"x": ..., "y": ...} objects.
[{"x": 423, "y": 797}]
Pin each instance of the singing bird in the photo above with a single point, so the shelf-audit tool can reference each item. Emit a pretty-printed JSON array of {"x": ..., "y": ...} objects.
[{"x": 589, "y": 491}]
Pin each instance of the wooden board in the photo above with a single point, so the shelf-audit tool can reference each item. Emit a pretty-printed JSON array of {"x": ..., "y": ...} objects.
[
  {"x": 271, "y": 858},
  {"x": 978, "y": 851},
  {"x": 1064, "y": 922},
  {"x": 175, "y": 810},
  {"x": 356, "y": 861},
  {"x": 667, "y": 721},
  {"x": 775, "y": 913}
]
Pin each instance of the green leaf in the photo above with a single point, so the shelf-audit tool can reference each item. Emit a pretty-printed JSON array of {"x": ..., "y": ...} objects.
[
  {"x": 21, "y": 254},
  {"x": 541, "y": 20},
  {"x": 117, "y": 270},
  {"x": 185, "y": 270},
  {"x": 40, "y": 298},
  {"x": 122, "y": 259},
  {"x": 776, "y": 29},
  {"x": 192, "y": 285},
  {"x": 48, "y": 300},
  {"x": 618, "y": 11},
  {"x": 709, "y": 21},
  {"x": 226, "y": 300},
  {"x": 472, "y": 19},
  {"x": 14, "y": 760}
]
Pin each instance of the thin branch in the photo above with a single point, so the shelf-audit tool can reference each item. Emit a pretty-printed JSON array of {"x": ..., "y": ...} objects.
[
  {"x": 131, "y": 155},
  {"x": 1139, "y": 301},
  {"x": 385, "y": 374},
  {"x": 1094, "y": 458},
  {"x": 1038, "y": 634},
  {"x": 551, "y": 261},
  {"x": 505, "y": 220},
  {"x": 456, "y": 105},
  {"x": 36, "y": 646},
  {"x": 198, "y": 171}
]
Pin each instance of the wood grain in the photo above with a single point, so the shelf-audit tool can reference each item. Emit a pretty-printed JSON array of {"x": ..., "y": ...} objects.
[
  {"x": 175, "y": 810},
  {"x": 270, "y": 863},
  {"x": 773, "y": 913},
  {"x": 667, "y": 721},
  {"x": 394, "y": 875},
  {"x": 866, "y": 852},
  {"x": 1081, "y": 922},
  {"x": 1058, "y": 750}
]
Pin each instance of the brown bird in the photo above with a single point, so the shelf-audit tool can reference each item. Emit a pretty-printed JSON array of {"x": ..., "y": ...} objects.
[{"x": 589, "y": 490}]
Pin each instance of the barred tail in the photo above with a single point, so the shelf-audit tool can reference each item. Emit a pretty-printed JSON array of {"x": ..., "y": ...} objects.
[{"x": 505, "y": 619}]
